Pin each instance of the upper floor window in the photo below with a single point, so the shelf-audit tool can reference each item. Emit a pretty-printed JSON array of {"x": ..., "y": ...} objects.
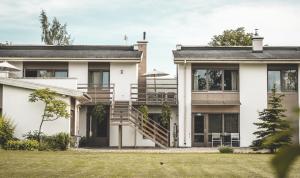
[
  {"x": 46, "y": 73},
  {"x": 99, "y": 78},
  {"x": 284, "y": 78},
  {"x": 215, "y": 80}
]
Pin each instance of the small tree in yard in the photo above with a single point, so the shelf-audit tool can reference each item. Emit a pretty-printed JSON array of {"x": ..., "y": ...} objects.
[
  {"x": 165, "y": 114},
  {"x": 54, "y": 108},
  {"x": 273, "y": 122}
]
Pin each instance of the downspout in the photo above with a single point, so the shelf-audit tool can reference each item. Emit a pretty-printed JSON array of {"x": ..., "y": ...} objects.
[{"x": 184, "y": 99}]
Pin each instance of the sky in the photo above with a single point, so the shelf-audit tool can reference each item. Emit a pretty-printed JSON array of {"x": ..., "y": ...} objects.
[{"x": 167, "y": 22}]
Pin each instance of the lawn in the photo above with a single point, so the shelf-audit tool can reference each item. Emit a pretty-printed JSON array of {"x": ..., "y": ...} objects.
[{"x": 91, "y": 164}]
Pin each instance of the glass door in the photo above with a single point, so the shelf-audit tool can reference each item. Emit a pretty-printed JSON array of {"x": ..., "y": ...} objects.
[{"x": 198, "y": 130}]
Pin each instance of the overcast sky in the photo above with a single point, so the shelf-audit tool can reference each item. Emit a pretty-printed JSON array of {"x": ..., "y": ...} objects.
[{"x": 167, "y": 23}]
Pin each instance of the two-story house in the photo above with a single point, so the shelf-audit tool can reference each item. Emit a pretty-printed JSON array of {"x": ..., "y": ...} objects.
[
  {"x": 222, "y": 89},
  {"x": 110, "y": 75}
]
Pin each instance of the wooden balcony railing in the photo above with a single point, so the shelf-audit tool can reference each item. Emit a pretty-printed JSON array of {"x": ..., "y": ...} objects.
[
  {"x": 99, "y": 93},
  {"x": 154, "y": 94}
]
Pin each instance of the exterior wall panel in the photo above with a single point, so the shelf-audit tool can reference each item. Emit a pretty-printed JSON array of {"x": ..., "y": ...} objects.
[{"x": 253, "y": 97}]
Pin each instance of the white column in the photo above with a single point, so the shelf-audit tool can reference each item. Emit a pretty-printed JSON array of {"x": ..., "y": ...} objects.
[
  {"x": 253, "y": 97},
  {"x": 184, "y": 104}
]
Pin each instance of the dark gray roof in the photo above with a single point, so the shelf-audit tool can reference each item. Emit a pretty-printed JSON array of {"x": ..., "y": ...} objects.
[
  {"x": 71, "y": 51},
  {"x": 198, "y": 52}
]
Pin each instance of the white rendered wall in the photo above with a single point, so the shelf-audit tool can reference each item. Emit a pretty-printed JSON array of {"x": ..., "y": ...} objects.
[
  {"x": 82, "y": 121},
  {"x": 69, "y": 83},
  {"x": 79, "y": 70},
  {"x": 27, "y": 116},
  {"x": 123, "y": 81},
  {"x": 184, "y": 105},
  {"x": 299, "y": 99},
  {"x": 253, "y": 97}
]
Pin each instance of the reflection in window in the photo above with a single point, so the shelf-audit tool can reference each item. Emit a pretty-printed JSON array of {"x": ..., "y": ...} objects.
[
  {"x": 230, "y": 80},
  {"x": 289, "y": 80},
  {"x": 274, "y": 79},
  {"x": 215, "y": 79},
  {"x": 284, "y": 79},
  {"x": 215, "y": 123},
  {"x": 200, "y": 79},
  {"x": 231, "y": 123},
  {"x": 46, "y": 73}
]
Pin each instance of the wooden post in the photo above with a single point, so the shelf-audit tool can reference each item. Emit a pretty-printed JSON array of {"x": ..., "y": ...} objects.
[{"x": 120, "y": 131}]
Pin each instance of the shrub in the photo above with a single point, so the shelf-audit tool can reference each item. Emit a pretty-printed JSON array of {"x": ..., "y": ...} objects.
[
  {"x": 22, "y": 145},
  {"x": 7, "y": 129},
  {"x": 225, "y": 149},
  {"x": 83, "y": 142},
  {"x": 34, "y": 135},
  {"x": 59, "y": 141}
]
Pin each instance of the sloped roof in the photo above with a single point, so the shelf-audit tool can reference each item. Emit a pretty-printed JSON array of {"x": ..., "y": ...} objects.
[
  {"x": 33, "y": 86},
  {"x": 205, "y": 53},
  {"x": 112, "y": 52}
]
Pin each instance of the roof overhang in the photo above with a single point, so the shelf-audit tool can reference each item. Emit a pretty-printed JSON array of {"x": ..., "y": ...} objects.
[
  {"x": 31, "y": 59},
  {"x": 236, "y": 61}
]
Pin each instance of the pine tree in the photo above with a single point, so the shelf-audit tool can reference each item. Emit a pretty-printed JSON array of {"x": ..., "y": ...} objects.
[{"x": 273, "y": 122}]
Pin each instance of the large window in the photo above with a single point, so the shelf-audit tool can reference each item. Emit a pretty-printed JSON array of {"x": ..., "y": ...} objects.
[
  {"x": 46, "y": 73},
  {"x": 283, "y": 79},
  {"x": 99, "y": 78},
  {"x": 215, "y": 80}
]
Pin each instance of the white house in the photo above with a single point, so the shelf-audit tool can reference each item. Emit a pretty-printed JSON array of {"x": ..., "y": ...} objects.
[
  {"x": 109, "y": 75},
  {"x": 223, "y": 88}
]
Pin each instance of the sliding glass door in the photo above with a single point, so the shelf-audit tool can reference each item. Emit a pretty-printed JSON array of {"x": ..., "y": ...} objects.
[{"x": 204, "y": 125}]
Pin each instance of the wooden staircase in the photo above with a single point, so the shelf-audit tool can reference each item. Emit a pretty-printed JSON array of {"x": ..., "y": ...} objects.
[{"x": 123, "y": 113}]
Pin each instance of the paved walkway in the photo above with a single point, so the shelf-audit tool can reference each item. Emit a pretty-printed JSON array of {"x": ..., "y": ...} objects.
[{"x": 158, "y": 150}]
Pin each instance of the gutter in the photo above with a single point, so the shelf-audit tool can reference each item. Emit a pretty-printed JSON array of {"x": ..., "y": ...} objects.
[{"x": 184, "y": 98}]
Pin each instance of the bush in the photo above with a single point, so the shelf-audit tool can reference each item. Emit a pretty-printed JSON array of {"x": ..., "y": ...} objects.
[
  {"x": 7, "y": 129},
  {"x": 22, "y": 145},
  {"x": 34, "y": 135},
  {"x": 59, "y": 141},
  {"x": 225, "y": 149},
  {"x": 83, "y": 142}
]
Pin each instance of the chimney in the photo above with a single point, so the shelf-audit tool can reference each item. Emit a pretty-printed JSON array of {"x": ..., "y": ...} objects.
[
  {"x": 257, "y": 43},
  {"x": 142, "y": 66}
]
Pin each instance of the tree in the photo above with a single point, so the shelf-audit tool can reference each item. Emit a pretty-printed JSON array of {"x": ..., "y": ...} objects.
[
  {"x": 55, "y": 33},
  {"x": 99, "y": 112},
  {"x": 144, "y": 110},
  {"x": 273, "y": 122},
  {"x": 165, "y": 114},
  {"x": 54, "y": 108},
  {"x": 237, "y": 37},
  {"x": 7, "y": 129}
]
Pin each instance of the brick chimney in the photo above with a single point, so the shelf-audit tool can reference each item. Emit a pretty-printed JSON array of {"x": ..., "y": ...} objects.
[
  {"x": 257, "y": 43},
  {"x": 142, "y": 46}
]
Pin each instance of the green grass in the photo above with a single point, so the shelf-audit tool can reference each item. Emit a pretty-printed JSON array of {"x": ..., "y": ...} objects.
[{"x": 88, "y": 164}]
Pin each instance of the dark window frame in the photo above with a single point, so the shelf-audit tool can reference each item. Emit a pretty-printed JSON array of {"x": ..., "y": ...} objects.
[
  {"x": 47, "y": 70},
  {"x": 222, "y": 80},
  {"x": 281, "y": 69}
]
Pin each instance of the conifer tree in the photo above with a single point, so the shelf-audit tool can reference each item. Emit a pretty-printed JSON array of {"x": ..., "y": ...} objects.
[{"x": 272, "y": 122}]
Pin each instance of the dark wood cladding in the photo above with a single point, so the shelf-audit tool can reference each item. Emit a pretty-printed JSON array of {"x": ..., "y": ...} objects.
[
  {"x": 98, "y": 65},
  {"x": 215, "y": 66},
  {"x": 212, "y": 98},
  {"x": 46, "y": 65},
  {"x": 216, "y": 109},
  {"x": 290, "y": 103}
]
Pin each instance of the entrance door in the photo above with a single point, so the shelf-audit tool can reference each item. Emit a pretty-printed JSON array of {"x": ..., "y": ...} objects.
[
  {"x": 98, "y": 130},
  {"x": 198, "y": 130}
]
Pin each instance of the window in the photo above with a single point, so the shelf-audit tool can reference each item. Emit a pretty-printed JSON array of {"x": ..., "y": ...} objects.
[
  {"x": 230, "y": 80},
  {"x": 274, "y": 79},
  {"x": 215, "y": 123},
  {"x": 200, "y": 79},
  {"x": 215, "y": 80},
  {"x": 284, "y": 79},
  {"x": 231, "y": 123},
  {"x": 99, "y": 78},
  {"x": 46, "y": 73}
]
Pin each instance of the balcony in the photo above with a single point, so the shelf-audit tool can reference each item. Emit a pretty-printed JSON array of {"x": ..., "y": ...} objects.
[
  {"x": 98, "y": 93},
  {"x": 154, "y": 94}
]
